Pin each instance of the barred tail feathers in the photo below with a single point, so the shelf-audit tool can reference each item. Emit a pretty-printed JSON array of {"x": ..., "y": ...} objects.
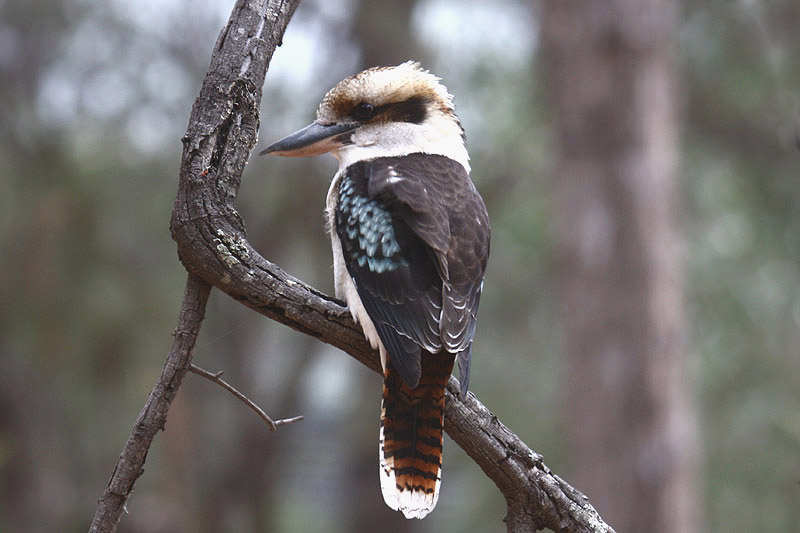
[{"x": 411, "y": 437}]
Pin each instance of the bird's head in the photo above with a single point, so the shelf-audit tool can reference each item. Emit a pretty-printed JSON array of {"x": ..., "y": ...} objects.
[{"x": 382, "y": 111}]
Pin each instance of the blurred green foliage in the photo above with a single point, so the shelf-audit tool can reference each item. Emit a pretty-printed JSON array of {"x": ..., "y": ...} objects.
[
  {"x": 742, "y": 191},
  {"x": 95, "y": 99}
]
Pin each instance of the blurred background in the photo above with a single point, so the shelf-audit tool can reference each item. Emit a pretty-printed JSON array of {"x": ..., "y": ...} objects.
[{"x": 95, "y": 97}]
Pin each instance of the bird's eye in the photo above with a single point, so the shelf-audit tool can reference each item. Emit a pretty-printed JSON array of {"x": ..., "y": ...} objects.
[{"x": 363, "y": 111}]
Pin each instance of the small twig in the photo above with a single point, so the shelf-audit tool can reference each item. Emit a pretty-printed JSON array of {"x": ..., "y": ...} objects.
[
  {"x": 273, "y": 424},
  {"x": 292, "y": 420}
]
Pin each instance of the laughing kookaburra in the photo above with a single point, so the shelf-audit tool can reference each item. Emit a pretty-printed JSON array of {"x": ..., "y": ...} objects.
[{"x": 410, "y": 237}]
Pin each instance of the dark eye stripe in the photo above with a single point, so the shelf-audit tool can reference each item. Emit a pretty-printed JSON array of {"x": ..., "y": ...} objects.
[{"x": 412, "y": 110}]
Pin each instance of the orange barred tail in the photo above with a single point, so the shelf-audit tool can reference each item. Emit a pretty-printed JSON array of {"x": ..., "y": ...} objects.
[{"x": 411, "y": 437}]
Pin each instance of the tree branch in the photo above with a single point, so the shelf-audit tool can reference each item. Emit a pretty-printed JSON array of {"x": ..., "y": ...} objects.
[
  {"x": 153, "y": 415},
  {"x": 212, "y": 245},
  {"x": 247, "y": 41},
  {"x": 217, "y": 378}
]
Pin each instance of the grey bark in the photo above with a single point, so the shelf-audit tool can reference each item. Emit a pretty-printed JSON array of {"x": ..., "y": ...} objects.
[{"x": 153, "y": 415}]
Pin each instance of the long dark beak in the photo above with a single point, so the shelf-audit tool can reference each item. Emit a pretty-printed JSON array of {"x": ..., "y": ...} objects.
[{"x": 314, "y": 139}]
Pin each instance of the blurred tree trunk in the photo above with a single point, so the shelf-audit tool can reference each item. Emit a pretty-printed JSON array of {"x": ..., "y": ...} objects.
[
  {"x": 610, "y": 69},
  {"x": 383, "y": 31}
]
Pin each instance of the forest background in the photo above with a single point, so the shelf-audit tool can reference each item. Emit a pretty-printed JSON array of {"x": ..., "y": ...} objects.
[{"x": 96, "y": 96}]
